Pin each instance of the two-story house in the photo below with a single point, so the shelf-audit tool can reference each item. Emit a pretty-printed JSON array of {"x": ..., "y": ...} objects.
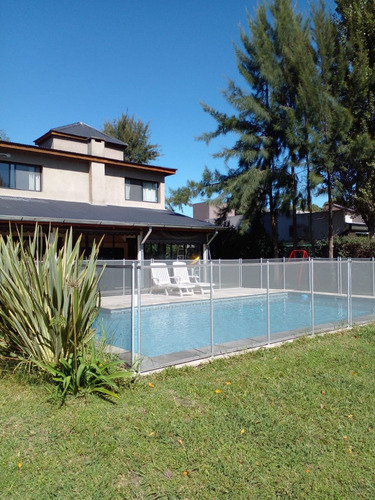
[{"x": 75, "y": 176}]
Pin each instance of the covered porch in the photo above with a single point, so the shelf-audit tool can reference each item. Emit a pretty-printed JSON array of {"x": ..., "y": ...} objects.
[{"x": 130, "y": 233}]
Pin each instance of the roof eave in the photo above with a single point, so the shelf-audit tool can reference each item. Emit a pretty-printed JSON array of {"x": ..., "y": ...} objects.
[
  {"x": 102, "y": 223},
  {"x": 14, "y": 146}
]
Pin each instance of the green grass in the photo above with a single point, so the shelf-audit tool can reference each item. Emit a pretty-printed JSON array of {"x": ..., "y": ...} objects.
[{"x": 292, "y": 422}]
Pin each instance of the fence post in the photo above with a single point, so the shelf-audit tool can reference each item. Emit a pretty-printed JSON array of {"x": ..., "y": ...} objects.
[
  {"x": 133, "y": 314},
  {"x": 283, "y": 273},
  {"x": 261, "y": 273},
  {"x": 240, "y": 272},
  {"x": 220, "y": 274},
  {"x": 211, "y": 310},
  {"x": 139, "y": 313},
  {"x": 123, "y": 276},
  {"x": 268, "y": 304},
  {"x": 349, "y": 293},
  {"x": 312, "y": 296}
]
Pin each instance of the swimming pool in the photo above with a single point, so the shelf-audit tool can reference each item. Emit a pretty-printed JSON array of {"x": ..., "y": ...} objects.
[{"x": 185, "y": 326}]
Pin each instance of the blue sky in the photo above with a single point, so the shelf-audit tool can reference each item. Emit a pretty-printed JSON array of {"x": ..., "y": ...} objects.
[{"x": 90, "y": 61}]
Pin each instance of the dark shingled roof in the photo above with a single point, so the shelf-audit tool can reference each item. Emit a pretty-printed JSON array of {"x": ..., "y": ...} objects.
[
  {"x": 65, "y": 212},
  {"x": 80, "y": 129}
]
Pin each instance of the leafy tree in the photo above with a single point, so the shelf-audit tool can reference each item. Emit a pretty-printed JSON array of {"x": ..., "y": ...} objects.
[
  {"x": 136, "y": 135},
  {"x": 330, "y": 119},
  {"x": 255, "y": 183},
  {"x": 356, "y": 23},
  {"x": 293, "y": 117},
  {"x": 293, "y": 50},
  {"x": 268, "y": 148}
]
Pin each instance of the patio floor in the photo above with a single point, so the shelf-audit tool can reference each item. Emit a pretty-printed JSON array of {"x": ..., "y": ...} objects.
[{"x": 148, "y": 299}]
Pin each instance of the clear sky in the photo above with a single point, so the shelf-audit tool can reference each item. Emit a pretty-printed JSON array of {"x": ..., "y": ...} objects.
[{"x": 91, "y": 60}]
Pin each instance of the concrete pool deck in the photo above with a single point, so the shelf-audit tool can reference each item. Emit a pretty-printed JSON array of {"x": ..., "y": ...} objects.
[
  {"x": 113, "y": 302},
  {"x": 150, "y": 299}
]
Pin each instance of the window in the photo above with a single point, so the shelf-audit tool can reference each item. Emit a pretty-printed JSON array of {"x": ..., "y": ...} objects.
[
  {"x": 141, "y": 190},
  {"x": 16, "y": 176}
]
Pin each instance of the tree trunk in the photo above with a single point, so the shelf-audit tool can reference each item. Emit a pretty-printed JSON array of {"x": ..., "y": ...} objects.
[
  {"x": 274, "y": 235},
  {"x": 370, "y": 223},
  {"x": 294, "y": 210},
  {"x": 309, "y": 206},
  {"x": 330, "y": 217}
]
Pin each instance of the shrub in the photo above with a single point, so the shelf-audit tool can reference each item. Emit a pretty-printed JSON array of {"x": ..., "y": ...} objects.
[
  {"x": 91, "y": 371},
  {"x": 347, "y": 246},
  {"x": 48, "y": 302}
]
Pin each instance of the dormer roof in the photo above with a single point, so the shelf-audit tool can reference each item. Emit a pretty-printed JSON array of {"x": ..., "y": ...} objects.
[{"x": 82, "y": 131}]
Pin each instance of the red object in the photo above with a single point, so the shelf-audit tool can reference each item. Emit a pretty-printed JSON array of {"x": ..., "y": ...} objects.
[{"x": 298, "y": 254}]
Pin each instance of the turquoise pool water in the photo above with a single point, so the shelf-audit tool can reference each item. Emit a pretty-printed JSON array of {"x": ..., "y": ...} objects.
[{"x": 183, "y": 326}]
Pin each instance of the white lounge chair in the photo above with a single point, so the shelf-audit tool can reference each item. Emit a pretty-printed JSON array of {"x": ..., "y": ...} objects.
[
  {"x": 181, "y": 275},
  {"x": 162, "y": 281}
]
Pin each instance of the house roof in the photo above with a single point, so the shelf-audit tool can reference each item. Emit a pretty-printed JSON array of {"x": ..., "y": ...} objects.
[
  {"x": 10, "y": 147},
  {"x": 14, "y": 209},
  {"x": 83, "y": 131}
]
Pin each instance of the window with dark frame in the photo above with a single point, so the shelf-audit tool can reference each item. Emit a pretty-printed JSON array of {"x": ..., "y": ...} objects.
[
  {"x": 137, "y": 190},
  {"x": 19, "y": 176}
]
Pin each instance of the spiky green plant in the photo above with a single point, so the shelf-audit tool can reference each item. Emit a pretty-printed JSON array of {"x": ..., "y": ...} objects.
[
  {"x": 90, "y": 372},
  {"x": 49, "y": 301}
]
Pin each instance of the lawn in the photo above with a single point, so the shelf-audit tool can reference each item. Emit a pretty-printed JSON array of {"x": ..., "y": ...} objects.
[{"x": 295, "y": 422}]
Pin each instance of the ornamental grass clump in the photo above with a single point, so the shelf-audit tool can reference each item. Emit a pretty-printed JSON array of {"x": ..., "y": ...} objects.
[{"x": 48, "y": 300}]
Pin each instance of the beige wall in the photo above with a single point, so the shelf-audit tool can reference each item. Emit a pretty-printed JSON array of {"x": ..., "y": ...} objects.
[
  {"x": 96, "y": 183},
  {"x": 71, "y": 145},
  {"x": 81, "y": 181},
  {"x": 115, "y": 154},
  {"x": 115, "y": 187},
  {"x": 207, "y": 211},
  {"x": 93, "y": 147},
  {"x": 61, "y": 179}
]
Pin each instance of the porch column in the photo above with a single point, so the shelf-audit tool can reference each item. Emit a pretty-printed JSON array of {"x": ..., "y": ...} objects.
[
  {"x": 141, "y": 240},
  {"x": 206, "y": 252},
  {"x": 140, "y": 248}
]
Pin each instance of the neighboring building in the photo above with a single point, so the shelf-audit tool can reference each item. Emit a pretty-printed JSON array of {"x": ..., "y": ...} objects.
[
  {"x": 207, "y": 212},
  {"x": 345, "y": 222},
  {"x": 76, "y": 177}
]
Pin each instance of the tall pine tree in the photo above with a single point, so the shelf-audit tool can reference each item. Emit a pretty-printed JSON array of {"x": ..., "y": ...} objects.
[
  {"x": 356, "y": 23},
  {"x": 260, "y": 177},
  {"x": 294, "y": 54},
  {"x": 331, "y": 119},
  {"x": 290, "y": 117}
]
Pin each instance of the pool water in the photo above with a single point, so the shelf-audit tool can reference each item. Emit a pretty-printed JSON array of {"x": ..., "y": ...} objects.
[{"x": 183, "y": 326}]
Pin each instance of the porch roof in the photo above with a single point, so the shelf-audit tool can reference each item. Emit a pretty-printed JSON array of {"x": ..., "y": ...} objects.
[{"x": 29, "y": 210}]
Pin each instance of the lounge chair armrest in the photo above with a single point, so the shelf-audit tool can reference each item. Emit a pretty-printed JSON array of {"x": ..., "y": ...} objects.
[
  {"x": 176, "y": 279},
  {"x": 156, "y": 281}
]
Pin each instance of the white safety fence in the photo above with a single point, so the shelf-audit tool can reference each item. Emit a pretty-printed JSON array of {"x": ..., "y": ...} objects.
[{"x": 246, "y": 304}]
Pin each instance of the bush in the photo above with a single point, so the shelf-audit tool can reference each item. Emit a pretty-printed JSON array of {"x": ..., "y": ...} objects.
[
  {"x": 347, "y": 246},
  {"x": 48, "y": 302},
  {"x": 232, "y": 244},
  {"x": 92, "y": 371}
]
